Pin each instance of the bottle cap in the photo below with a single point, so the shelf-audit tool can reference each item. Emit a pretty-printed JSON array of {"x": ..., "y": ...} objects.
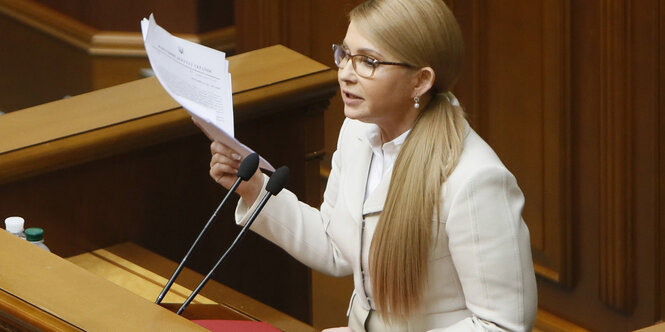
[
  {"x": 14, "y": 224},
  {"x": 34, "y": 234}
]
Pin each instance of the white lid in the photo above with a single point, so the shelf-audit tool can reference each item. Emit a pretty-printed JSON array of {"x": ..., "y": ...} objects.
[{"x": 14, "y": 224}]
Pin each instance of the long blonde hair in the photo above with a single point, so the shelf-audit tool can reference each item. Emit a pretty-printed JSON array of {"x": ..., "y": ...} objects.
[{"x": 423, "y": 33}]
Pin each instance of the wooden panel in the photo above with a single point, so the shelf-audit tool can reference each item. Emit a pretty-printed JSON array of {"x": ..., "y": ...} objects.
[
  {"x": 530, "y": 131},
  {"x": 616, "y": 114},
  {"x": 616, "y": 231},
  {"x": 193, "y": 16},
  {"x": 642, "y": 108},
  {"x": 94, "y": 40},
  {"x": 598, "y": 188},
  {"x": 30, "y": 76},
  {"x": 557, "y": 219},
  {"x": 661, "y": 159},
  {"x": 470, "y": 16},
  {"x": 61, "y": 56},
  {"x": 309, "y": 27},
  {"x": 262, "y": 23}
]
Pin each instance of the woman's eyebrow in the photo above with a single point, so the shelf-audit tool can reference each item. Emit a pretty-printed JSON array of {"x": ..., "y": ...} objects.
[
  {"x": 365, "y": 51},
  {"x": 370, "y": 52}
]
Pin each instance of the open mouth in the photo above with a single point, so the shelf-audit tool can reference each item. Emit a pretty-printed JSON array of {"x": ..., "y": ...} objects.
[{"x": 351, "y": 96}]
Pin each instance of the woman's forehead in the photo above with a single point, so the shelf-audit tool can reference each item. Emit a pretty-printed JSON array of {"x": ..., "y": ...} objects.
[{"x": 356, "y": 42}]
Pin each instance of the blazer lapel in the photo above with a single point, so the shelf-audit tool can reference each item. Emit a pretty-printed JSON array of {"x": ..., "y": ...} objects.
[
  {"x": 355, "y": 182},
  {"x": 377, "y": 199}
]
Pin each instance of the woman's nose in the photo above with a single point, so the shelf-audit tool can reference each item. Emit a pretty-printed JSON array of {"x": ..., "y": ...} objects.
[{"x": 347, "y": 73}]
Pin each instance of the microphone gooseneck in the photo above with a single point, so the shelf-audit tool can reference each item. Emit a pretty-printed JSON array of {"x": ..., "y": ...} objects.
[
  {"x": 247, "y": 168},
  {"x": 276, "y": 183}
]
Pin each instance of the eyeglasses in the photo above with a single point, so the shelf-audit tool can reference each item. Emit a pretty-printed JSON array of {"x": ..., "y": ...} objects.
[{"x": 364, "y": 65}]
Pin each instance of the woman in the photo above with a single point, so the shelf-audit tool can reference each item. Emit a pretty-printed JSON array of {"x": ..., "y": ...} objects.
[{"x": 417, "y": 206}]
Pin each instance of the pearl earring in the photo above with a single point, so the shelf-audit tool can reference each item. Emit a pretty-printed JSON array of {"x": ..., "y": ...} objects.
[{"x": 416, "y": 102}]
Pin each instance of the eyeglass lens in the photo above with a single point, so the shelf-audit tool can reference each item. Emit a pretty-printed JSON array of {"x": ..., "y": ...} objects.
[
  {"x": 340, "y": 55},
  {"x": 365, "y": 68}
]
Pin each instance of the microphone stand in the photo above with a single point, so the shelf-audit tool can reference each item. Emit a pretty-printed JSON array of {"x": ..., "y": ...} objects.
[
  {"x": 233, "y": 245},
  {"x": 198, "y": 238},
  {"x": 273, "y": 187},
  {"x": 245, "y": 171}
]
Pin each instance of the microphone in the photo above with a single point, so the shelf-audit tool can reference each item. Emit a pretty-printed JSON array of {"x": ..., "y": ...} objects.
[
  {"x": 273, "y": 187},
  {"x": 247, "y": 168}
]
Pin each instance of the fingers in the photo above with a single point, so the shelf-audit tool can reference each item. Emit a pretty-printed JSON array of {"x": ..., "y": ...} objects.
[
  {"x": 219, "y": 158},
  {"x": 224, "y": 155},
  {"x": 222, "y": 167},
  {"x": 226, "y": 179},
  {"x": 220, "y": 170},
  {"x": 220, "y": 148},
  {"x": 224, "y": 164}
]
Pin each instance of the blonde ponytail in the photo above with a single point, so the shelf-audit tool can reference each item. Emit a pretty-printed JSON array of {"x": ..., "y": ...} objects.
[
  {"x": 401, "y": 243},
  {"x": 423, "y": 33}
]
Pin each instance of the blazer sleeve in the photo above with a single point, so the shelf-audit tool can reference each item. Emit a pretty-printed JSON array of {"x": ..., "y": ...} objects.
[
  {"x": 490, "y": 248},
  {"x": 299, "y": 229}
]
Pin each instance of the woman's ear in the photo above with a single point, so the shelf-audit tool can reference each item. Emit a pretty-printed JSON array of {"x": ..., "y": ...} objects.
[{"x": 424, "y": 80}]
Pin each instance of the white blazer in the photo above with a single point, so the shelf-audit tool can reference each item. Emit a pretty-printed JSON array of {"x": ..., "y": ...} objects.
[{"x": 481, "y": 274}]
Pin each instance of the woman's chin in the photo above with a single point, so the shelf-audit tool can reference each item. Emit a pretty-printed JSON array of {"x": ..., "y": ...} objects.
[{"x": 353, "y": 113}]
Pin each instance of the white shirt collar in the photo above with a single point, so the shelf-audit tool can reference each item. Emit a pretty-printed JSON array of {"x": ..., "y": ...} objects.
[
  {"x": 374, "y": 138},
  {"x": 384, "y": 156}
]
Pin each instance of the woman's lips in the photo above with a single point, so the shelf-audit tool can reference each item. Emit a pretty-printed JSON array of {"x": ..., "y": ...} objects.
[{"x": 350, "y": 98}]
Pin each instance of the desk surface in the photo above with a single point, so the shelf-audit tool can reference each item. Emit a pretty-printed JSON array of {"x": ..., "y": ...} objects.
[
  {"x": 39, "y": 290},
  {"x": 658, "y": 327},
  {"x": 144, "y": 273}
]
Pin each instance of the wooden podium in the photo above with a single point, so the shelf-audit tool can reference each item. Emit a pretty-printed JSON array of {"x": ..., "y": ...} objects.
[
  {"x": 144, "y": 273},
  {"x": 126, "y": 164},
  {"x": 41, "y": 291}
]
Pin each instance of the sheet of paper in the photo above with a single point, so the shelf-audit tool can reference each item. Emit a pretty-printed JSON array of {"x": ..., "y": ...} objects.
[{"x": 198, "y": 78}]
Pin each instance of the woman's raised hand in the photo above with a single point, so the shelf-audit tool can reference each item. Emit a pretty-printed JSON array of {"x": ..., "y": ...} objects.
[{"x": 224, "y": 165}]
